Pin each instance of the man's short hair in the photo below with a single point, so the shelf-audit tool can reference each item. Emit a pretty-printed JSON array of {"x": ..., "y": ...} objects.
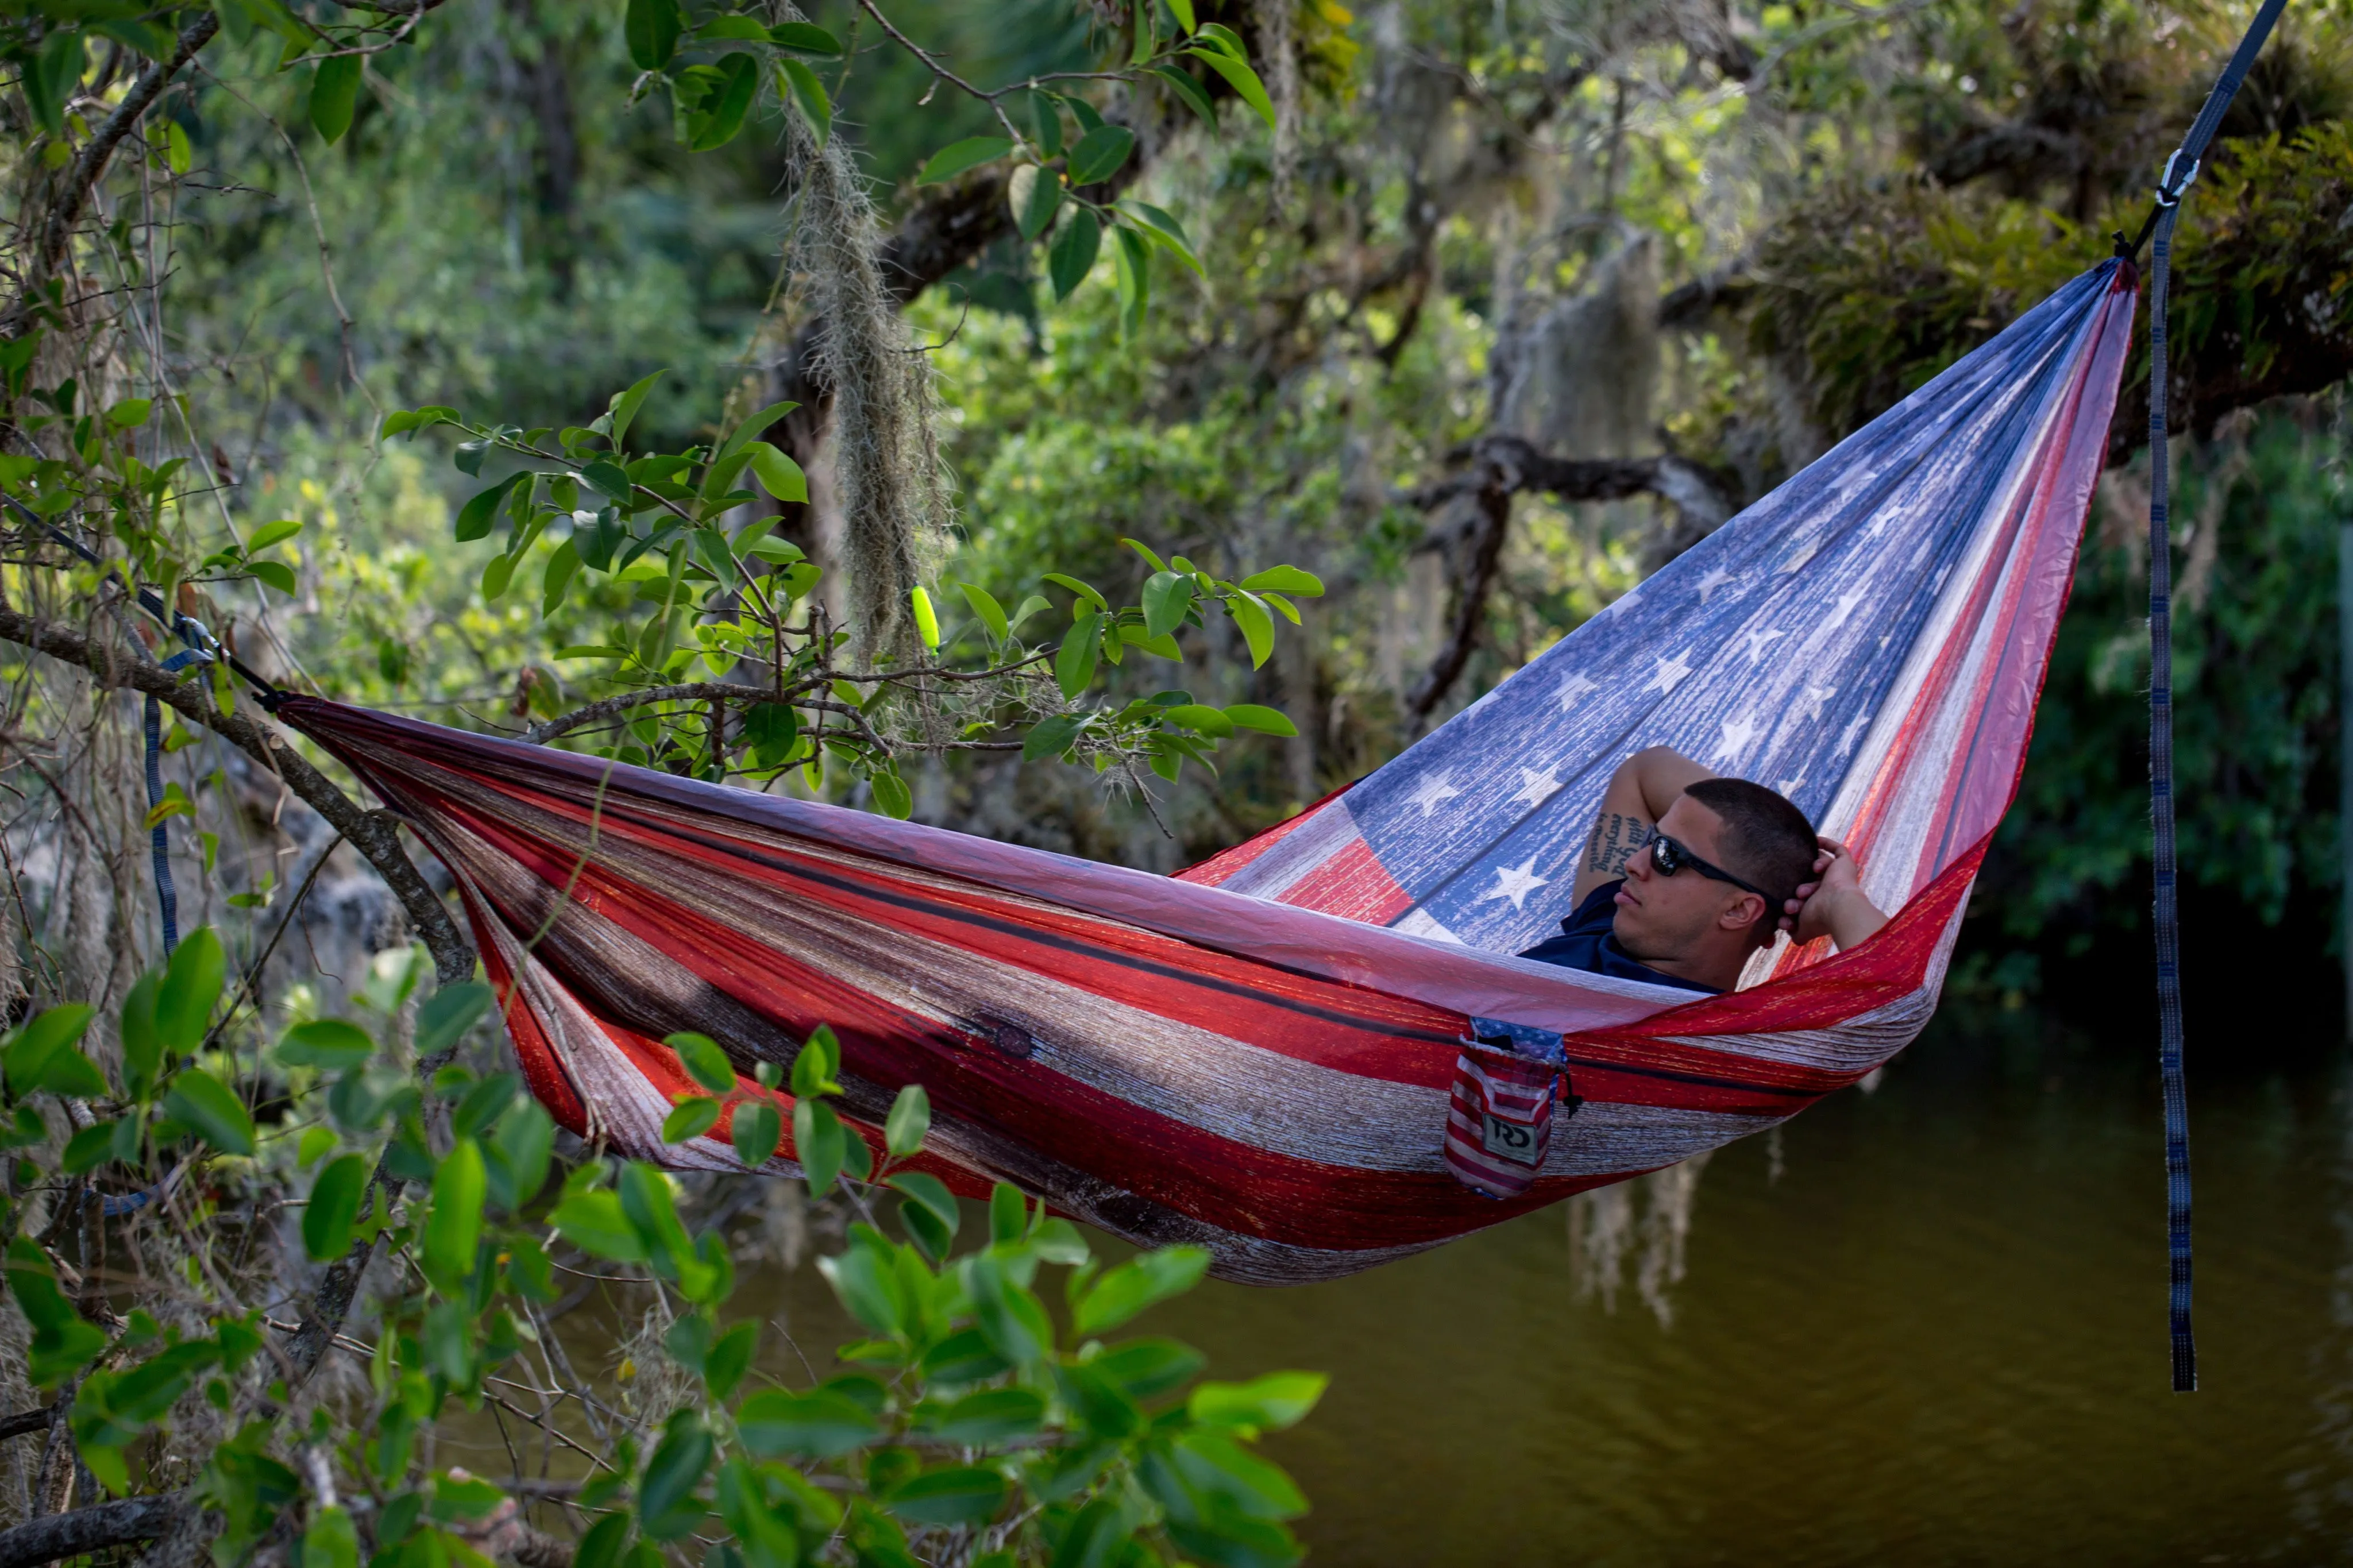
[{"x": 1766, "y": 839}]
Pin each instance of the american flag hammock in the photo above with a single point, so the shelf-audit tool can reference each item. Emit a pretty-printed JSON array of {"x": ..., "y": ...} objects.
[{"x": 1315, "y": 1052}]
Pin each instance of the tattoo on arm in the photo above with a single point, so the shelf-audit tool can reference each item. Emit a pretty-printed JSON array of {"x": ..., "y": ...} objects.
[{"x": 1614, "y": 841}]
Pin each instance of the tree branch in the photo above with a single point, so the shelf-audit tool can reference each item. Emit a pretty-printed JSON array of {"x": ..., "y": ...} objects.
[
  {"x": 25, "y": 1422},
  {"x": 375, "y": 834},
  {"x": 89, "y": 165},
  {"x": 1502, "y": 466},
  {"x": 122, "y": 1522},
  {"x": 691, "y": 691}
]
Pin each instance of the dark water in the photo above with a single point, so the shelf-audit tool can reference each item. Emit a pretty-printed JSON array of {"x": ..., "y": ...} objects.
[{"x": 1928, "y": 1327}]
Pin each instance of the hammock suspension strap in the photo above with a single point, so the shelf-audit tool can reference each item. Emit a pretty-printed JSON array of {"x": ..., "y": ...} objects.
[{"x": 2180, "y": 171}]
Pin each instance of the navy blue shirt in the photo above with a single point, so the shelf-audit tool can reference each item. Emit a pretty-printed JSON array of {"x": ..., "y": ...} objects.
[{"x": 1585, "y": 941}]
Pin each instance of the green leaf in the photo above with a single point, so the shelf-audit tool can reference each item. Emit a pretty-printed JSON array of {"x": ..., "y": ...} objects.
[
  {"x": 334, "y": 1208},
  {"x": 818, "y": 1141},
  {"x": 992, "y": 1415},
  {"x": 704, "y": 1060},
  {"x": 453, "y": 1230},
  {"x": 1278, "y": 1399},
  {"x": 1100, "y": 153},
  {"x": 1073, "y": 256},
  {"x": 667, "y": 1506},
  {"x": 1162, "y": 229},
  {"x": 1284, "y": 580},
  {"x": 474, "y": 518},
  {"x": 963, "y": 1358},
  {"x": 1141, "y": 1282},
  {"x": 801, "y": 85},
  {"x": 957, "y": 156},
  {"x": 1052, "y": 737},
  {"x": 270, "y": 533},
  {"x": 651, "y": 28},
  {"x": 50, "y": 78},
  {"x": 331, "y": 1043},
  {"x": 815, "y": 1067},
  {"x": 446, "y": 1016},
  {"x": 985, "y": 607},
  {"x": 1011, "y": 1317},
  {"x": 192, "y": 986},
  {"x": 89, "y": 1149},
  {"x": 730, "y": 1358},
  {"x": 1035, "y": 195},
  {"x": 1148, "y": 1368},
  {"x": 142, "y": 1043},
  {"x": 1219, "y": 1467},
  {"x": 692, "y": 1117},
  {"x": 1084, "y": 592},
  {"x": 1047, "y": 120},
  {"x": 651, "y": 1209},
  {"x": 1167, "y": 596},
  {"x": 932, "y": 1195},
  {"x": 866, "y": 1280},
  {"x": 602, "y": 1546},
  {"x": 1201, "y": 717},
  {"x": 1134, "y": 258},
  {"x": 1095, "y": 1537},
  {"x": 524, "y": 1140},
  {"x": 732, "y": 28},
  {"x": 62, "y": 1341},
  {"x": 335, "y": 95},
  {"x": 723, "y": 120},
  {"x": 329, "y": 1541},
  {"x": 910, "y": 1119},
  {"x": 132, "y": 412},
  {"x": 608, "y": 479},
  {"x": 562, "y": 567},
  {"x": 757, "y": 1129},
  {"x": 594, "y": 1223},
  {"x": 179, "y": 154},
  {"x": 892, "y": 796},
  {"x": 1224, "y": 39},
  {"x": 625, "y": 405},
  {"x": 1183, "y": 11},
  {"x": 1243, "y": 80},
  {"x": 210, "y": 1109},
  {"x": 959, "y": 1494},
  {"x": 778, "y": 473},
  {"x": 805, "y": 37},
  {"x": 1257, "y": 625},
  {"x": 44, "y": 1055},
  {"x": 1074, "y": 662},
  {"x": 776, "y": 1425},
  {"x": 1266, "y": 721}
]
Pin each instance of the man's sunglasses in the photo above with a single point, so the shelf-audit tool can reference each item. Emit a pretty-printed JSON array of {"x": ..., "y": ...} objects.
[{"x": 1668, "y": 857}]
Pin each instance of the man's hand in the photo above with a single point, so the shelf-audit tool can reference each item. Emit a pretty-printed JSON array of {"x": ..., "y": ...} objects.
[{"x": 1834, "y": 904}]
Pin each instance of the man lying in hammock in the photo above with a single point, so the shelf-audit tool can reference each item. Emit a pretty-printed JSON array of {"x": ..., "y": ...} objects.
[{"x": 1755, "y": 867}]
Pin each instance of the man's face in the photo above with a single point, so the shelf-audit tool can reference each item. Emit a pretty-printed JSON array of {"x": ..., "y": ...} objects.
[{"x": 1674, "y": 918}]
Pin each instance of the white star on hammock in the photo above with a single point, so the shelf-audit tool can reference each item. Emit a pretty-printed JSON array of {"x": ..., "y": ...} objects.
[
  {"x": 1535, "y": 788},
  {"x": 1433, "y": 788},
  {"x": 1515, "y": 883},
  {"x": 1672, "y": 670},
  {"x": 1573, "y": 688},
  {"x": 1738, "y": 734}
]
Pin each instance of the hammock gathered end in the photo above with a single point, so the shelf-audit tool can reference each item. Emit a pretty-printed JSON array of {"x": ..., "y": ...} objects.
[{"x": 1261, "y": 1055}]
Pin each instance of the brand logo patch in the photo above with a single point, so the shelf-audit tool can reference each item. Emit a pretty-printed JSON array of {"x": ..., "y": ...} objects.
[{"x": 1514, "y": 1140}]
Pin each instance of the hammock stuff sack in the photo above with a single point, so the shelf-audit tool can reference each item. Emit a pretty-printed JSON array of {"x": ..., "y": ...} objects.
[{"x": 1265, "y": 1055}]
